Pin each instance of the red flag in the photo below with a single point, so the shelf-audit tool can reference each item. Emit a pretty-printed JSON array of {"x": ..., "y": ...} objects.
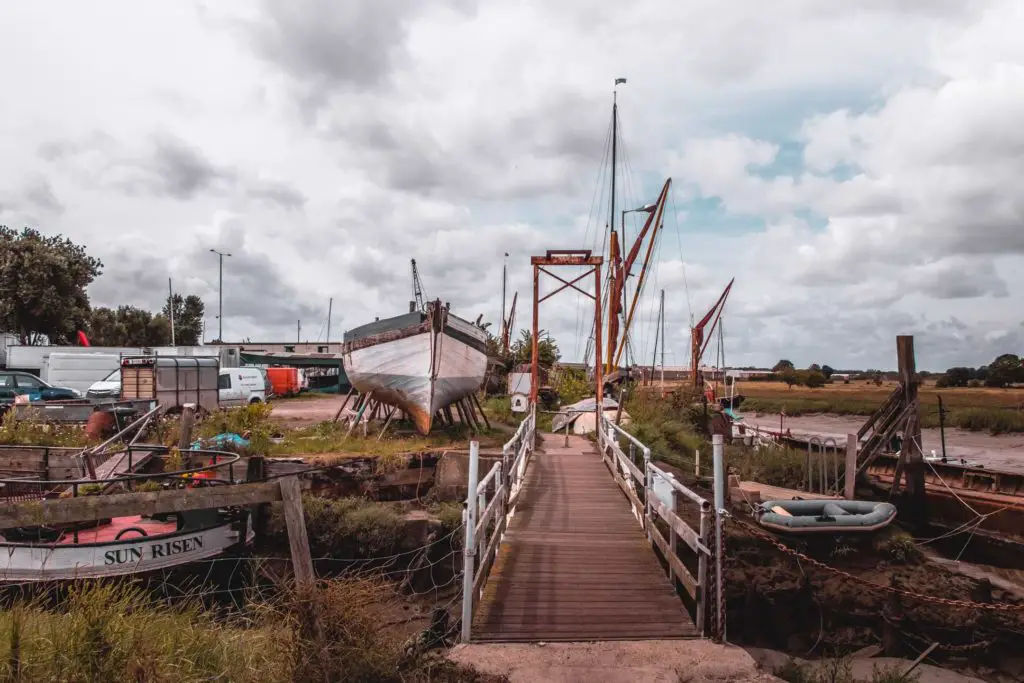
[{"x": 82, "y": 339}]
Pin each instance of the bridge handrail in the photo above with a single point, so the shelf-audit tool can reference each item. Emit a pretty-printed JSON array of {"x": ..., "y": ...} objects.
[
  {"x": 490, "y": 505},
  {"x": 640, "y": 489}
]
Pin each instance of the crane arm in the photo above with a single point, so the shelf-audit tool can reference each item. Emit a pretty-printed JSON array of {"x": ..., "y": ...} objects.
[{"x": 656, "y": 216}]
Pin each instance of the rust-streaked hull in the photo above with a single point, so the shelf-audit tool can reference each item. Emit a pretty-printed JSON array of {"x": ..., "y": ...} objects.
[{"x": 418, "y": 364}]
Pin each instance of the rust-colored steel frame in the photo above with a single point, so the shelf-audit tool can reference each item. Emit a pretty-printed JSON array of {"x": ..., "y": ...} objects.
[{"x": 567, "y": 257}]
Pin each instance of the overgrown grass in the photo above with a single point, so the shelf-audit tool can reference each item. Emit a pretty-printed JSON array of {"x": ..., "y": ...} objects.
[
  {"x": 340, "y": 630},
  {"x": 668, "y": 427},
  {"x": 784, "y": 467},
  {"x": 112, "y": 632},
  {"x": 450, "y": 514},
  {"x": 32, "y": 431},
  {"x": 330, "y": 437},
  {"x": 898, "y": 545},
  {"x": 346, "y": 528}
]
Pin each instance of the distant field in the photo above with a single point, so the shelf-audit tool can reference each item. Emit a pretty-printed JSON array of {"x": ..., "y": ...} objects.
[
  {"x": 860, "y": 392},
  {"x": 995, "y": 410}
]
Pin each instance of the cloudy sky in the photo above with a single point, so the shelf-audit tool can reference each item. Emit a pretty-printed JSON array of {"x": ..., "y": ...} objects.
[{"x": 856, "y": 166}]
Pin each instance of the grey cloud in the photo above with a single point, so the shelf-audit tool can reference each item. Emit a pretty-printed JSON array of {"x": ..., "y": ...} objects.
[
  {"x": 559, "y": 144},
  {"x": 40, "y": 194},
  {"x": 279, "y": 193},
  {"x": 255, "y": 288},
  {"x": 326, "y": 45},
  {"x": 182, "y": 170}
]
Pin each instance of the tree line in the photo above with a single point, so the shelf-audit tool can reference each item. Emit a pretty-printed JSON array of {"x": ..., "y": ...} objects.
[
  {"x": 43, "y": 298},
  {"x": 1005, "y": 370}
]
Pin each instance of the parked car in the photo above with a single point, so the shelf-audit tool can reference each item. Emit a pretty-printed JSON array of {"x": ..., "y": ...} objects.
[
  {"x": 241, "y": 386},
  {"x": 13, "y": 383},
  {"x": 108, "y": 387}
]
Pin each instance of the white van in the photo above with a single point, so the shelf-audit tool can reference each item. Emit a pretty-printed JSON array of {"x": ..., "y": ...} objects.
[
  {"x": 79, "y": 371},
  {"x": 241, "y": 386}
]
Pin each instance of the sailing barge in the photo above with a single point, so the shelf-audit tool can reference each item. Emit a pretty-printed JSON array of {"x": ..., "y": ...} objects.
[{"x": 419, "y": 362}]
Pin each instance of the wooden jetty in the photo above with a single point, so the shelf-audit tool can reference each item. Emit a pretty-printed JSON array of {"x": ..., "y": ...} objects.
[{"x": 575, "y": 564}]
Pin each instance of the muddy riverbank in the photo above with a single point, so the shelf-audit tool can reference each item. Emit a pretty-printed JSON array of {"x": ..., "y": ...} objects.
[{"x": 1002, "y": 452}]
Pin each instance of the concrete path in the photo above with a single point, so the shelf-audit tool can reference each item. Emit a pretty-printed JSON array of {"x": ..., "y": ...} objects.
[{"x": 638, "y": 661}]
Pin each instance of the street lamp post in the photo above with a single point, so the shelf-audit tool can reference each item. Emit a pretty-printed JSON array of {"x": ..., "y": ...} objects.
[{"x": 220, "y": 296}]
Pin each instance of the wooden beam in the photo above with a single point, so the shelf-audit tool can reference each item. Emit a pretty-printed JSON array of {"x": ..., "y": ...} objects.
[
  {"x": 481, "y": 409},
  {"x": 850, "y": 472},
  {"x": 344, "y": 404},
  {"x": 886, "y": 406},
  {"x": 92, "y": 508},
  {"x": 188, "y": 418},
  {"x": 298, "y": 541},
  {"x": 912, "y": 437}
]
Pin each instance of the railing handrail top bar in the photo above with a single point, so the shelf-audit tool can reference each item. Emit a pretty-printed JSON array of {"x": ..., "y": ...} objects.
[
  {"x": 629, "y": 436},
  {"x": 482, "y": 485},
  {"x": 699, "y": 500}
]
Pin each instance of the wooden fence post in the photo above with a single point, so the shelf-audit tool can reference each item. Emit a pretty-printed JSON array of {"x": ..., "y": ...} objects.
[
  {"x": 850, "y": 476},
  {"x": 298, "y": 541},
  {"x": 188, "y": 418}
]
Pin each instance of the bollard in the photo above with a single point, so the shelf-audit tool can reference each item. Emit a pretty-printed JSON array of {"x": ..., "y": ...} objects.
[
  {"x": 696, "y": 463},
  {"x": 470, "y": 551}
]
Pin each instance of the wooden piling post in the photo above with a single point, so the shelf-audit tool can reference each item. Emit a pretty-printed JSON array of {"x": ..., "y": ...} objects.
[
  {"x": 256, "y": 470},
  {"x": 188, "y": 418},
  {"x": 298, "y": 541},
  {"x": 912, "y": 438},
  {"x": 850, "y": 475}
]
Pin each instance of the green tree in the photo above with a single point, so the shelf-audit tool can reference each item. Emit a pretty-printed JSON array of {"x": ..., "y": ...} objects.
[
  {"x": 547, "y": 350},
  {"x": 188, "y": 319},
  {"x": 1005, "y": 370},
  {"x": 790, "y": 377},
  {"x": 955, "y": 377},
  {"x": 814, "y": 379},
  {"x": 783, "y": 365},
  {"x": 128, "y": 326},
  {"x": 828, "y": 371},
  {"x": 42, "y": 285}
]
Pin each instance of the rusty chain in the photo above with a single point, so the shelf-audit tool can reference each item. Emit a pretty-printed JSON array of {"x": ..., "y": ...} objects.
[
  {"x": 946, "y": 648},
  {"x": 870, "y": 585}
]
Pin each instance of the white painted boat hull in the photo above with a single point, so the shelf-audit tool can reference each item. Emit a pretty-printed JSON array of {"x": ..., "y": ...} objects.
[
  {"x": 51, "y": 562},
  {"x": 420, "y": 373}
]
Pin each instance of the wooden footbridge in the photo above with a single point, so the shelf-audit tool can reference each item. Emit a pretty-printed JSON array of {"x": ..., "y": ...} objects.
[{"x": 582, "y": 540}]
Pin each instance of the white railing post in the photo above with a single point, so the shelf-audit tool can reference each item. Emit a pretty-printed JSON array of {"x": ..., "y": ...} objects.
[
  {"x": 648, "y": 492},
  {"x": 469, "y": 553},
  {"x": 718, "y": 453},
  {"x": 702, "y": 569}
]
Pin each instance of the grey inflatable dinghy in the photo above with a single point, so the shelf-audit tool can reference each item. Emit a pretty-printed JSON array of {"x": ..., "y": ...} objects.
[{"x": 817, "y": 516}]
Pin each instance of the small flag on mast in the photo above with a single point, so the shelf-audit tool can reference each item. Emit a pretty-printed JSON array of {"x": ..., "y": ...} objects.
[{"x": 619, "y": 80}]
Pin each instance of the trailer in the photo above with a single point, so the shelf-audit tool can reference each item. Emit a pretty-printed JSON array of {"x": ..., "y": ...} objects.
[
  {"x": 80, "y": 410},
  {"x": 171, "y": 381}
]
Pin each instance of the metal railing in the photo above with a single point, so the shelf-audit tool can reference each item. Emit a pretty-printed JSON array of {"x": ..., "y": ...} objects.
[
  {"x": 656, "y": 498},
  {"x": 824, "y": 481},
  {"x": 490, "y": 505}
]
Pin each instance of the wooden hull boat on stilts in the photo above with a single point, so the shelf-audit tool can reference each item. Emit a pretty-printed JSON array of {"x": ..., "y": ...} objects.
[{"x": 419, "y": 362}]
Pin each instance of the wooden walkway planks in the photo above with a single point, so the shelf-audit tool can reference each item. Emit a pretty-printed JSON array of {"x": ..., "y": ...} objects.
[{"x": 575, "y": 564}]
